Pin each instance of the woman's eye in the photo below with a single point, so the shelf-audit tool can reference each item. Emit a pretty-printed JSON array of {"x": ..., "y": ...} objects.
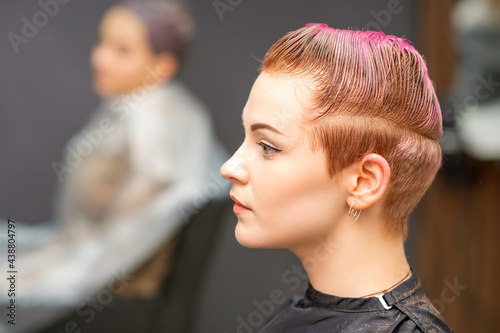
[
  {"x": 268, "y": 149},
  {"x": 123, "y": 50}
]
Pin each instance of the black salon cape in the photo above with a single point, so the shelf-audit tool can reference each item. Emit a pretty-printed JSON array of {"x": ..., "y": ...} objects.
[{"x": 411, "y": 311}]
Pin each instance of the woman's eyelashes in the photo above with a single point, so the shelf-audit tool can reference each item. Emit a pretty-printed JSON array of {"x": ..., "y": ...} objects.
[{"x": 268, "y": 149}]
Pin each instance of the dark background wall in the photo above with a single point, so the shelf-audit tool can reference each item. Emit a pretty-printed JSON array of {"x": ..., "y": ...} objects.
[{"x": 46, "y": 96}]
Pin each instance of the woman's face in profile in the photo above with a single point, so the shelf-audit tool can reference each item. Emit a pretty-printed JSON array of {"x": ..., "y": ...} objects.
[
  {"x": 122, "y": 59},
  {"x": 284, "y": 195}
]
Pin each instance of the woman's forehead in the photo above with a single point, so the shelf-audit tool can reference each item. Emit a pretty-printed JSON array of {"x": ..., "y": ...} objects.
[{"x": 272, "y": 101}]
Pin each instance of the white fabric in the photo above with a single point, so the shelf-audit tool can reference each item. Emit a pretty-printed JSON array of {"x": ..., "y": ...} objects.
[{"x": 166, "y": 136}]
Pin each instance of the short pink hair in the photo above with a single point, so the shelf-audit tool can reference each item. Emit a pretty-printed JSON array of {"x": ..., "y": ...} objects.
[{"x": 370, "y": 93}]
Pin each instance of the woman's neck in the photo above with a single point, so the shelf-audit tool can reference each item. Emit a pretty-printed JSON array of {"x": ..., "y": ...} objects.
[{"x": 355, "y": 260}]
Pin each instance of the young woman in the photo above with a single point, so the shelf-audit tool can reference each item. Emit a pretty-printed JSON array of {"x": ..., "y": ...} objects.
[
  {"x": 130, "y": 177},
  {"x": 341, "y": 142}
]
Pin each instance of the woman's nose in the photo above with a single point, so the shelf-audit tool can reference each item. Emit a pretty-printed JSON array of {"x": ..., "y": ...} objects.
[
  {"x": 101, "y": 56},
  {"x": 235, "y": 169}
]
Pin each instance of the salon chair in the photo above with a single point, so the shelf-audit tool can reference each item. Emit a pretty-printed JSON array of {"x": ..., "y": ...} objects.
[{"x": 174, "y": 308}]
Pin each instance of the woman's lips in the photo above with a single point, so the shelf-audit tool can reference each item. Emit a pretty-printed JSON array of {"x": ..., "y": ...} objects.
[
  {"x": 99, "y": 76},
  {"x": 239, "y": 208}
]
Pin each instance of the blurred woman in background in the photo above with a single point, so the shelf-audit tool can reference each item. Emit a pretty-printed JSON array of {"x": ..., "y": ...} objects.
[{"x": 146, "y": 160}]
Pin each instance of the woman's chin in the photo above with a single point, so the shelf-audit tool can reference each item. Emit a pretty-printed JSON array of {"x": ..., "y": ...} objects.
[
  {"x": 247, "y": 238},
  {"x": 105, "y": 91},
  {"x": 254, "y": 239},
  {"x": 101, "y": 91}
]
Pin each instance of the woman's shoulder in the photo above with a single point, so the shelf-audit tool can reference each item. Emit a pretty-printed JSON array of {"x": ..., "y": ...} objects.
[
  {"x": 419, "y": 310},
  {"x": 404, "y": 310}
]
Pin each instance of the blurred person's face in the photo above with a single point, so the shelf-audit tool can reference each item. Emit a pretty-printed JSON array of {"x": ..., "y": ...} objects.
[
  {"x": 285, "y": 197},
  {"x": 123, "y": 59}
]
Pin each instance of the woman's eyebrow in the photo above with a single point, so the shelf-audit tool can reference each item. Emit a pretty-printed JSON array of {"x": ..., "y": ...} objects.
[{"x": 258, "y": 126}]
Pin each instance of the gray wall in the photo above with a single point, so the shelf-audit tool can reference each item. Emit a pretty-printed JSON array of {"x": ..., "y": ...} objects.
[{"x": 45, "y": 96}]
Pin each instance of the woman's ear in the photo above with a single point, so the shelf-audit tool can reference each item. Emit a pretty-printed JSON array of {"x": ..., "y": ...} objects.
[
  {"x": 368, "y": 180},
  {"x": 166, "y": 66}
]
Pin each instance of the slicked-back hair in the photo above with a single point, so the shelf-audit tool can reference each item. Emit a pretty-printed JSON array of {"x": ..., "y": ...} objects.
[{"x": 369, "y": 93}]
